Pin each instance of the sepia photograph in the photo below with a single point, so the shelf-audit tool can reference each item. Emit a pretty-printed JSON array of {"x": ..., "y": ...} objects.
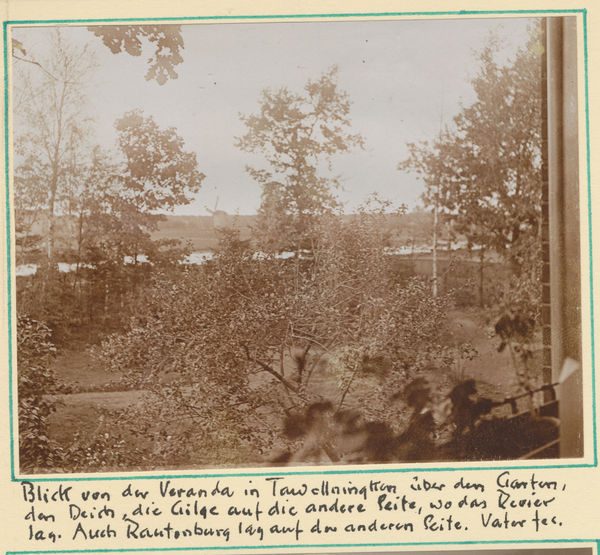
[{"x": 266, "y": 244}]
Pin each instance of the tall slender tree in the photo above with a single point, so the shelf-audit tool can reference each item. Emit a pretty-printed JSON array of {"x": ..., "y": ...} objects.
[
  {"x": 298, "y": 134},
  {"x": 488, "y": 166},
  {"x": 52, "y": 121}
]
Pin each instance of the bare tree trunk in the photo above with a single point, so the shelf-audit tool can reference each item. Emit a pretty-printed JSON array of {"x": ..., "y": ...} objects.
[
  {"x": 435, "y": 229},
  {"x": 51, "y": 217},
  {"x": 481, "y": 268}
]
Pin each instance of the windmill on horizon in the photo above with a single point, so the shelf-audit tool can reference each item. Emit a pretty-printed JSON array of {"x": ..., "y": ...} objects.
[{"x": 220, "y": 218}]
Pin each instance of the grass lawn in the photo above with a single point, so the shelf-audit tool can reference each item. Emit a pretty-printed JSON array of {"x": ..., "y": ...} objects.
[
  {"x": 81, "y": 413},
  {"x": 80, "y": 369}
]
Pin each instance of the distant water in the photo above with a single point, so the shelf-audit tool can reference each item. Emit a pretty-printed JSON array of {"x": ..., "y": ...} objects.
[
  {"x": 200, "y": 257},
  {"x": 30, "y": 269}
]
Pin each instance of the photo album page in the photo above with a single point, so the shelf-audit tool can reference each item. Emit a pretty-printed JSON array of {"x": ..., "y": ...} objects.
[{"x": 300, "y": 278}]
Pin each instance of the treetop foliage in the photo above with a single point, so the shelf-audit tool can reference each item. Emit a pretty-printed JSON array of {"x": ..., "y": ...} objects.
[
  {"x": 296, "y": 133},
  {"x": 158, "y": 173},
  {"x": 117, "y": 38},
  {"x": 167, "y": 38},
  {"x": 293, "y": 130}
]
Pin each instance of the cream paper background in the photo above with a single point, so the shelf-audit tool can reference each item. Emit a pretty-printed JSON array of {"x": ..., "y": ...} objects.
[{"x": 577, "y": 507}]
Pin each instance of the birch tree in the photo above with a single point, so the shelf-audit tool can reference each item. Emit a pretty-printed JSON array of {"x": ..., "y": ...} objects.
[{"x": 52, "y": 121}]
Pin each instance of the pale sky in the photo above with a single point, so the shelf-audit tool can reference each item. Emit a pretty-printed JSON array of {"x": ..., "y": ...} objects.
[{"x": 403, "y": 78}]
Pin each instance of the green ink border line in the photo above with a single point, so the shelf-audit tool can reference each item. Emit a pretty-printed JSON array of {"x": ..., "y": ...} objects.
[
  {"x": 560, "y": 543},
  {"x": 590, "y": 242},
  {"x": 8, "y": 254},
  {"x": 266, "y": 18},
  {"x": 297, "y": 16}
]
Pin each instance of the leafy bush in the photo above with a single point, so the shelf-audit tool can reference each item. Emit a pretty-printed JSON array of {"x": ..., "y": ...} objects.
[
  {"x": 231, "y": 347},
  {"x": 38, "y": 386}
]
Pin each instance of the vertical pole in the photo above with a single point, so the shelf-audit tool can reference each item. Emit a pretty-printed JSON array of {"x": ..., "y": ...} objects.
[
  {"x": 555, "y": 186},
  {"x": 435, "y": 229},
  {"x": 563, "y": 210},
  {"x": 545, "y": 228},
  {"x": 436, "y": 206}
]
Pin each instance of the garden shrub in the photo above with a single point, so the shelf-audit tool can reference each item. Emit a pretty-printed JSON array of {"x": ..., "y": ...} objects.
[{"x": 38, "y": 390}]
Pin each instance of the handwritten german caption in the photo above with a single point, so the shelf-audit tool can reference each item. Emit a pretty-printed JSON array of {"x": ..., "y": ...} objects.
[{"x": 292, "y": 510}]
